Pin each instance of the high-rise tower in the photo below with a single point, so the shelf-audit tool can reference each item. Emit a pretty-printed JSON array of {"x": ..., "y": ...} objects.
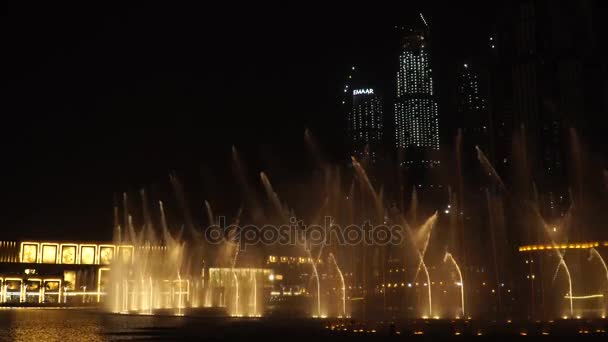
[
  {"x": 416, "y": 113},
  {"x": 473, "y": 109},
  {"x": 364, "y": 115}
]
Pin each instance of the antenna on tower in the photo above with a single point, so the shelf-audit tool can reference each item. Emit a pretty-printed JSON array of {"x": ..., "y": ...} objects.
[{"x": 423, "y": 20}]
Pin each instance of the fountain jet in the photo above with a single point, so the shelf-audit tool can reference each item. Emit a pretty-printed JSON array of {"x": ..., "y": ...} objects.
[
  {"x": 594, "y": 253},
  {"x": 562, "y": 264},
  {"x": 316, "y": 275},
  {"x": 426, "y": 272},
  {"x": 447, "y": 257},
  {"x": 333, "y": 259}
]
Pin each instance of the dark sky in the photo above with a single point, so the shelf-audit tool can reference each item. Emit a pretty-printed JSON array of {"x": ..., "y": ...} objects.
[{"x": 97, "y": 101}]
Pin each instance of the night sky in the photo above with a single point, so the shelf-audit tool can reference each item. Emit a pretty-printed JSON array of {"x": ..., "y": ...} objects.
[{"x": 97, "y": 101}]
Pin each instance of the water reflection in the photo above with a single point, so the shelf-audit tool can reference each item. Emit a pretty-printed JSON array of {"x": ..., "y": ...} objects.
[{"x": 76, "y": 325}]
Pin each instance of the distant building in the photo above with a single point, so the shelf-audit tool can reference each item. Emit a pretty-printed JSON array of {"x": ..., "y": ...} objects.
[
  {"x": 474, "y": 121},
  {"x": 363, "y": 107},
  {"x": 550, "y": 52},
  {"x": 473, "y": 107}
]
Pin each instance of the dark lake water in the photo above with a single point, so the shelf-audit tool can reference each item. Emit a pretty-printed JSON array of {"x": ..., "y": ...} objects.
[{"x": 47, "y": 325}]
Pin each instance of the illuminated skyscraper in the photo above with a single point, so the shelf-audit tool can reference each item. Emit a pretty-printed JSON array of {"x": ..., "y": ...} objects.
[
  {"x": 363, "y": 106},
  {"x": 416, "y": 113}
]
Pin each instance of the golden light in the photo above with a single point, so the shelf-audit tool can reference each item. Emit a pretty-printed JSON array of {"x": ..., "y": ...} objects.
[
  {"x": 88, "y": 254},
  {"x": 599, "y": 295},
  {"x": 69, "y": 253},
  {"x": 106, "y": 254},
  {"x": 29, "y": 252},
  {"x": 99, "y": 272},
  {"x": 579, "y": 245},
  {"x": 50, "y": 253}
]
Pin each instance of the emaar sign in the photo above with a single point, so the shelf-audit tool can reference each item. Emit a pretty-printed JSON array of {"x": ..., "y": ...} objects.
[{"x": 369, "y": 91}]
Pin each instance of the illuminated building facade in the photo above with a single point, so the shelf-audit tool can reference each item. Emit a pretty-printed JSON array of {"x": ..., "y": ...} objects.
[
  {"x": 417, "y": 121},
  {"x": 416, "y": 112},
  {"x": 365, "y": 119},
  {"x": 56, "y": 272},
  {"x": 78, "y": 273}
]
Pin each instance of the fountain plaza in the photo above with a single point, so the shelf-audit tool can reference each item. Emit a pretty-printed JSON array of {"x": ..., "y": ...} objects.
[{"x": 493, "y": 254}]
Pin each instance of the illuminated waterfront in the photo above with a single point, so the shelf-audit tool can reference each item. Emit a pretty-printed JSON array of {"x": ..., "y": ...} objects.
[{"x": 441, "y": 175}]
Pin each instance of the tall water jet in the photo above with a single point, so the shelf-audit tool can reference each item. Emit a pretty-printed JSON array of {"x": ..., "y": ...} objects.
[
  {"x": 117, "y": 229},
  {"x": 489, "y": 168},
  {"x": 179, "y": 295},
  {"x": 422, "y": 264},
  {"x": 163, "y": 217},
  {"x": 447, "y": 257},
  {"x": 594, "y": 253},
  {"x": 151, "y": 292},
  {"x": 424, "y": 232},
  {"x": 125, "y": 208},
  {"x": 312, "y": 145},
  {"x": 209, "y": 213},
  {"x": 428, "y": 279},
  {"x": 236, "y": 281},
  {"x": 368, "y": 184},
  {"x": 255, "y": 293},
  {"x": 316, "y": 275},
  {"x": 149, "y": 226},
  {"x": 208, "y": 289},
  {"x": 562, "y": 264},
  {"x": 333, "y": 259},
  {"x": 236, "y": 293},
  {"x": 274, "y": 198}
]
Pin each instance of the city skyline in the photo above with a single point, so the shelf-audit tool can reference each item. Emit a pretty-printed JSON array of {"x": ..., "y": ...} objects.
[
  {"x": 139, "y": 127},
  {"x": 173, "y": 172}
]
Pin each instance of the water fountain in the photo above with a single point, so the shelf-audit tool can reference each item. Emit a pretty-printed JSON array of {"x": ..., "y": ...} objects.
[
  {"x": 447, "y": 257},
  {"x": 593, "y": 253},
  {"x": 176, "y": 270},
  {"x": 421, "y": 240},
  {"x": 342, "y": 283},
  {"x": 315, "y": 274}
]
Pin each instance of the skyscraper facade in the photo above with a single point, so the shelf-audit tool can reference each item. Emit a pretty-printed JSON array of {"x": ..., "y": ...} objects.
[
  {"x": 416, "y": 112},
  {"x": 472, "y": 107},
  {"x": 364, "y": 119},
  {"x": 472, "y": 103}
]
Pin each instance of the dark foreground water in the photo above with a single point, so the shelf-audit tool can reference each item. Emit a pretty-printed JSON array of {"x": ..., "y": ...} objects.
[{"x": 47, "y": 325}]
